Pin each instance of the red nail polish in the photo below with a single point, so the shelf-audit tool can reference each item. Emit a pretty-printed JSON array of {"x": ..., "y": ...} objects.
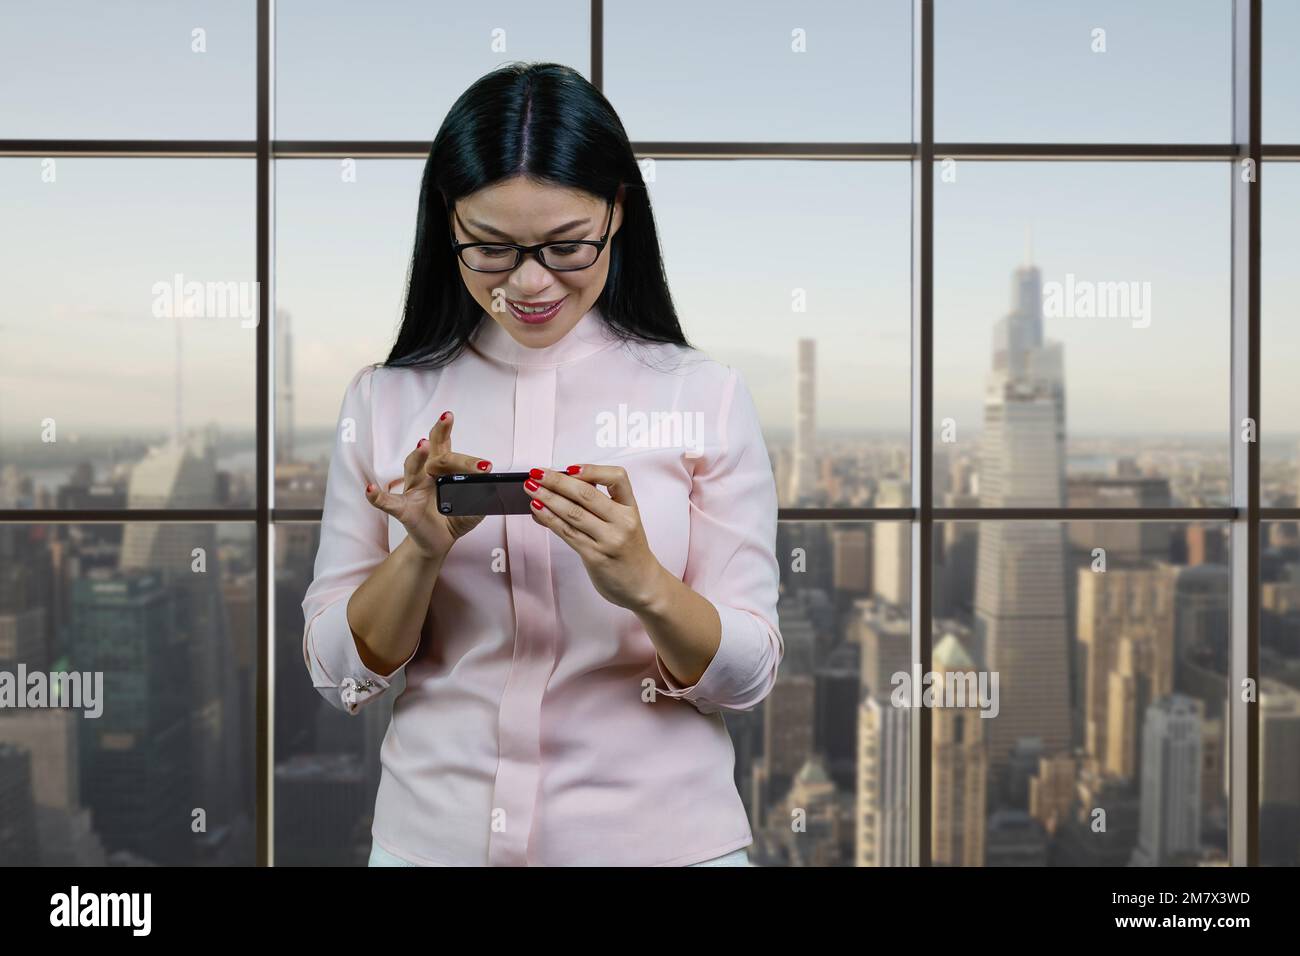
[
  {"x": 537, "y": 504},
  {"x": 421, "y": 443},
  {"x": 443, "y": 415},
  {"x": 535, "y": 473},
  {"x": 368, "y": 487},
  {"x": 483, "y": 465},
  {"x": 531, "y": 485},
  {"x": 573, "y": 469}
]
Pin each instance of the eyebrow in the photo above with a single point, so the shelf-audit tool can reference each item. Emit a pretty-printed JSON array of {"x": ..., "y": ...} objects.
[{"x": 484, "y": 227}]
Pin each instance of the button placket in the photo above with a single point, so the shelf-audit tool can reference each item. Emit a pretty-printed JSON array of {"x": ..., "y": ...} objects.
[{"x": 519, "y": 728}]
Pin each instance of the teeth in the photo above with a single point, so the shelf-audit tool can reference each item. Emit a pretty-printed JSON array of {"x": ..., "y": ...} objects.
[{"x": 535, "y": 309}]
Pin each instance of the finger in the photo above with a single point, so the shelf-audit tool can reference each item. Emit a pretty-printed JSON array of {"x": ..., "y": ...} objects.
[
  {"x": 570, "y": 512},
  {"x": 450, "y": 463},
  {"x": 579, "y": 540},
  {"x": 413, "y": 471},
  {"x": 582, "y": 493},
  {"x": 612, "y": 477},
  {"x": 385, "y": 501},
  {"x": 440, "y": 433}
]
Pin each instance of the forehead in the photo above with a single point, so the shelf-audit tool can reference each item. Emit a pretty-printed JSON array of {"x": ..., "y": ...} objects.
[{"x": 526, "y": 208}]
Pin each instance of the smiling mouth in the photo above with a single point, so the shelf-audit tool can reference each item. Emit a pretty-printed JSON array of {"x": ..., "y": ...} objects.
[{"x": 535, "y": 312}]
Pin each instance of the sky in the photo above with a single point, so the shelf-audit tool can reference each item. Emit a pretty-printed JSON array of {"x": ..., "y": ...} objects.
[{"x": 79, "y": 256}]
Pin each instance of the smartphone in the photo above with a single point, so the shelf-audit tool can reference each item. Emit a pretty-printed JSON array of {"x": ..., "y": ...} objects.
[{"x": 492, "y": 494}]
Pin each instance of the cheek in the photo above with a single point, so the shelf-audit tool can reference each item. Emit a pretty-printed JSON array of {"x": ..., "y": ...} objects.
[
  {"x": 587, "y": 283},
  {"x": 480, "y": 287}
]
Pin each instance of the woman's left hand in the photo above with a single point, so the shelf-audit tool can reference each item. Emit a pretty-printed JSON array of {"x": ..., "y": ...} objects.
[{"x": 605, "y": 530}]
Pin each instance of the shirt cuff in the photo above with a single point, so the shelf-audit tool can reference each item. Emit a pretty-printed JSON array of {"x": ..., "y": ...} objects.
[
  {"x": 732, "y": 671},
  {"x": 339, "y": 669}
]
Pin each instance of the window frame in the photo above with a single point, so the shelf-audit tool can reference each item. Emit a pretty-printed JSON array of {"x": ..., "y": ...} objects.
[{"x": 1244, "y": 516}]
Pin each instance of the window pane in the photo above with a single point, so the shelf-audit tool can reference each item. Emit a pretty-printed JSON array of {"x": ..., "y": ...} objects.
[
  {"x": 1281, "y": 108},
  {"x": 1096, "y": 656},
  {"x": 746, "y": 71},
  {"x": 1098, "y": 374},
  {"x": 342, "y": 246},
  {"x": 1279, "y": 695},
  {"x": 83, "y": 69},
  {"x": 129, "y": 314},
  {"x": 825, "y": 747},
  {"x": 1280, "y": 337},
  {"x": 148, "y": 758},
  {"x": 807, "y": 294},
  {"x": 391, "y": 71},
  {"x": 1028, "y": 71},
  {"x": 326, "y": 762}
]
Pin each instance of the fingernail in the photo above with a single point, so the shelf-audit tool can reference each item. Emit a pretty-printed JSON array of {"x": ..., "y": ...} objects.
[
  {"x": 483, "y": 465},
  {"x": 443, "y": 415},
  {"x": 537, "y": 504},
  {"x": 368, "y": 487},
  {"x": 535, "y": 473},
  {"x": 421, "y": 443},
  {"x": 573, "y": 469},
  {"x": 531, "y": 485}
]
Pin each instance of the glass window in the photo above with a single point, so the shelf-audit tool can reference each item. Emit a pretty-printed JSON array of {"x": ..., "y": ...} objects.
[
  {"x": 185, "y": 69},
  {"x": 136, "y": 647},
  {"x": 343, "y": 241},
  {"x": 761, "y": 71},
  {"x": 1279, "y": 336},
  {"x": 1083, "y": 71},
  {"x": 1082, "y": 324},
  {"x": 130, "y": 315},
  {"x": 1085, "y": 678},
  {"x": 391, "y": 71},
  {"x": 806, "y": 293}
]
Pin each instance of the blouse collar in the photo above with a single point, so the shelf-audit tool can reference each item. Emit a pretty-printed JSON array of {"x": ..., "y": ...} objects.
[{"x": 590, "y": 334}]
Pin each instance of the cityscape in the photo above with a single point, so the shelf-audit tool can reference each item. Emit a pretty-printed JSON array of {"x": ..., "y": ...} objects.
[{"x": 1110, "y": 642}]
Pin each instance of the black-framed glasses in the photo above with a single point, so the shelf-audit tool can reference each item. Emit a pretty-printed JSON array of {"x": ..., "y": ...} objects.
[{"x": 563, "y": 255}]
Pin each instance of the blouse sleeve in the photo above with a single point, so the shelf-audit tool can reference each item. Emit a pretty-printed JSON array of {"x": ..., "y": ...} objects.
[
  {"x": 731, "y": 560},
  {"x": 353, "y": 541}
]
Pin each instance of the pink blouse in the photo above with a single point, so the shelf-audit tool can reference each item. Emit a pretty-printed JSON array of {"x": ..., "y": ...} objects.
[{"x": 538, "y": 725}]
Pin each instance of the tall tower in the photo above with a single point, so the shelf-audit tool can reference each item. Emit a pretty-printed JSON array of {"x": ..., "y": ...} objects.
[
  {"x": 1169, "y": 825},
  {"x": 960, "y": 765},
  {"x": 891, "y": 562},
  {"x": 283, "y": 387},
  {"x": 883, "y": 810},
  {"x": 1020, "y": 598},
  {"x": 804, "y": 476}
]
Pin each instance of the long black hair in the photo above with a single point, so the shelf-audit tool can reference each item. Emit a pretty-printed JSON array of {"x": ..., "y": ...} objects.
[{"x": 547, "y": 122}]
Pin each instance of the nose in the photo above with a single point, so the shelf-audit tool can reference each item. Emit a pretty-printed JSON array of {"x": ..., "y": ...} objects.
[{"x": 531, "y": 277}]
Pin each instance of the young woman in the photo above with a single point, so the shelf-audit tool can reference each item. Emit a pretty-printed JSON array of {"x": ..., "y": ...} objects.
[{"x": 565, "y": 670}]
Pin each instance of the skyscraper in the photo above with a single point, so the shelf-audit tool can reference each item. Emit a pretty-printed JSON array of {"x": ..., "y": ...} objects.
[
  {"x": 959, "y": 766},
  {"x": 1279, "y": 773},
  {"x": 891, "y": 561},
  {"x": 803, "y": 479},
  {"x": 1020, "y": 600},
  {"x": 283, "y": 387},
  {"x": 882, "y": 808},
  {"x": 1169, "y": 824}
]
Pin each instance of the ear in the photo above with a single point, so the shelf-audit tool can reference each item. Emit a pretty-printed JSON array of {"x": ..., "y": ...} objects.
[{"x": 619, "y": 209}]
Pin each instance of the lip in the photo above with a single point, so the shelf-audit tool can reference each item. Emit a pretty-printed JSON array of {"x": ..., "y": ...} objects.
[{"x": 540, "y": 317}]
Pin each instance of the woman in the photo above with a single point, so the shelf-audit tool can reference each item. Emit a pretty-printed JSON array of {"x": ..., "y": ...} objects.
[{"x": 565, "y": 669}]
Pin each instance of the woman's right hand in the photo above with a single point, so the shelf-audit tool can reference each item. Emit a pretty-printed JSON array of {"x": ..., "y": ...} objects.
[{"x": 417, "y": 506}]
